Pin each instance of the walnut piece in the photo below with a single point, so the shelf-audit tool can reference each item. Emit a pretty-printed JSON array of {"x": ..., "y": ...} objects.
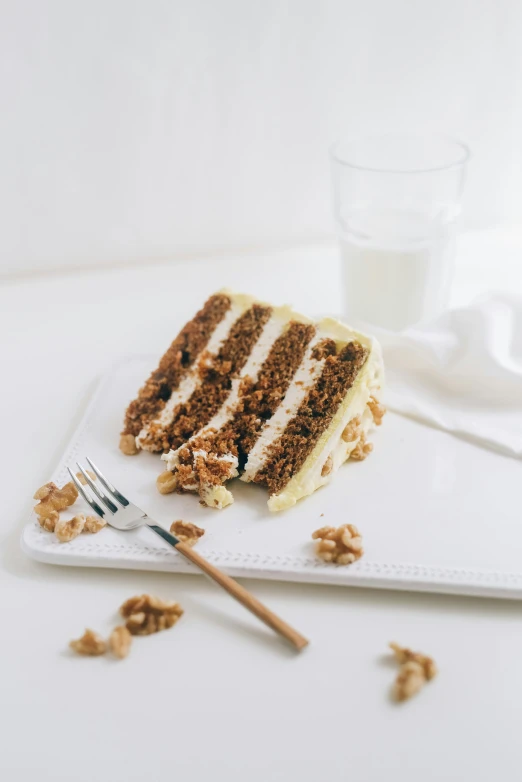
[
  {"x": 342, "y": 545},
  {"x": 415, "y": 670},
  {"x": 81, "y": 478},
  {"x": 404, "y": 655},
  {"x": 120, "y": 642},
  {"x": 146, "y": 614},
  {"x": 327, "y": 467},
  {"x": 187, "y": 532},
  {"x": 409, "y": 681},
  {"x": 94, "y": 524},
  {"x": 54, "y": 499},
  {"x": 166, "y": 482},
  {"x": 361, "y": 450},
  {"x": 149, "y": 604},
  {"x": 377, "y": 410},
  {"x": 68, "y": 530},
  {"x": 128, "y": 445},
  {"x": 49, "y": 522},
  {"x": 90, "y": 643},
  {"x": 351, "y": 430},
  {"x": 146, "y": 624}
]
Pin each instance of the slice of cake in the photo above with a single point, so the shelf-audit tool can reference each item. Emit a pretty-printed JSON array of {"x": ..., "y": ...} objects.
[{"x": 261, "y": 392}]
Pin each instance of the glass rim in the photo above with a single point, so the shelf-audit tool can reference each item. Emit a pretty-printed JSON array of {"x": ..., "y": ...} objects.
[{"x": 461, "y": 160}]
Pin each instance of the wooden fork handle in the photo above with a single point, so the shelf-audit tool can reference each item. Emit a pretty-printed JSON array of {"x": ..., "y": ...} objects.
[{"x": 244, "y": 597}]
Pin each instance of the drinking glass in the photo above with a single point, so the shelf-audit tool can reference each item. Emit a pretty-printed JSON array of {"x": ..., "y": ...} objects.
[{"x": 396, "y": 201}]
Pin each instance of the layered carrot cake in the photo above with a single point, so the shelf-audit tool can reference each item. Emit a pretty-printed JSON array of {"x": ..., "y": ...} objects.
[{"x": 260, "y": 392}]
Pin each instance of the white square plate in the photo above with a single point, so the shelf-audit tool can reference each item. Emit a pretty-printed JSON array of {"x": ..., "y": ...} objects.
[{"x": 436, "y": 513}]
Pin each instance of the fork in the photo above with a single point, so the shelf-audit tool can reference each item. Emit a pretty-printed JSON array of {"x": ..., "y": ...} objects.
[{"x": 122, "y": 514}]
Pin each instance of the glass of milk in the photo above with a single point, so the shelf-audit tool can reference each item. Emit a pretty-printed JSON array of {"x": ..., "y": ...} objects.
[{"x": 396, "y": 202}]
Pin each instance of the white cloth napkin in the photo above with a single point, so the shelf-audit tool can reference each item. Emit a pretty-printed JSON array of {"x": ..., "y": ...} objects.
[{"x": 462, "y": 373}]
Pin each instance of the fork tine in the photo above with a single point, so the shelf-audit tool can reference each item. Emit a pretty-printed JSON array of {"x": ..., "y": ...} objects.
[
  {"x": 94, "y": 505},
  {"x": 100, "y": 494},
  {"x": 121, "y": 499}
]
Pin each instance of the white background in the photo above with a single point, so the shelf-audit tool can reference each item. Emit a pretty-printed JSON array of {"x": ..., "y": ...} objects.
[{"x": 139, "y": 130}]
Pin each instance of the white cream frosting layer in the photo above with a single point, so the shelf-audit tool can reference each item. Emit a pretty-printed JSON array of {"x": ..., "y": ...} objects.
[
  {"x": 304, "y": 379},
  {"x": 191, "y": 380},
  {"x": 271, "y": 331}
]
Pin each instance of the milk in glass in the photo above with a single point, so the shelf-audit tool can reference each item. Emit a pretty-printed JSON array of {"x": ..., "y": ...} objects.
[{"x": 396, "y": 266}]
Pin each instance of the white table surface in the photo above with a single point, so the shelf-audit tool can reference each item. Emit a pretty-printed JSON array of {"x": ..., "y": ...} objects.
[{"x": 218, "y": 697}]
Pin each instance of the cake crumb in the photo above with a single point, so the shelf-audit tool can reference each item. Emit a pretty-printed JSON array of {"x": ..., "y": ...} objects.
[
  {"x": 341, "y": 546},
  {"x": 90, "y": 644},
  {"x": 326, "y": 347},
  {"x": 186, "y": 531},
  {"x": 415, "y": 670}
]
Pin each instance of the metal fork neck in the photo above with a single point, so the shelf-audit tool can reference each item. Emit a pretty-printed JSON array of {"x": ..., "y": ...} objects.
[{"x": 167, "y": 536}]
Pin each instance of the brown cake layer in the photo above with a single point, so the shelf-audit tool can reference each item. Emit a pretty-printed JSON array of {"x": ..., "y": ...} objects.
[
  {"x": 216, "y": 379},
  {"x": 286, "y": 456},
  {"x": 175, "y": 363},
  {"x": 326, "y": 347}
]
